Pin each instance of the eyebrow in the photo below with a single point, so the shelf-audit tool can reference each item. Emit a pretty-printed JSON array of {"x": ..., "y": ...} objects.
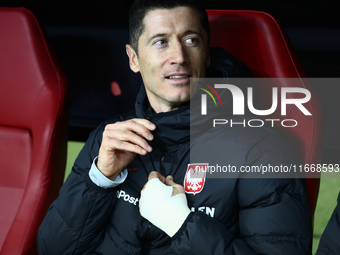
[
  {"x": 155, "y": 36},
  {"x": 187, "y": 32}
]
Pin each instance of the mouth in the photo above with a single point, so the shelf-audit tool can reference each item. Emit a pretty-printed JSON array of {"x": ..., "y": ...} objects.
[{"x": 178, "y": 78}]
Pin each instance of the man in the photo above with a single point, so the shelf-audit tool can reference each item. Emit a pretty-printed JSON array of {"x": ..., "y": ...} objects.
[{"x": 100, "y": 209}]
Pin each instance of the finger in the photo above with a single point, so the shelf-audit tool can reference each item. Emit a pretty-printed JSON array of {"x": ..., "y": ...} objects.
[
  {"x": 134, "y": 139},
  {"x": 146, "y": 123},
  {"x": 169, "y": 180},
  {"x": 155, "y": 174},
  {"x": 177, "y": 188},
  {"x": 127, "y": 146},
  {"x": 126, "y": 140},
  {"x": 142, "y": 127}
]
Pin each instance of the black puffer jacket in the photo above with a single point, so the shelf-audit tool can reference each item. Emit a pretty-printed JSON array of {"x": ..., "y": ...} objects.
[{"x": 229, "y": 216}]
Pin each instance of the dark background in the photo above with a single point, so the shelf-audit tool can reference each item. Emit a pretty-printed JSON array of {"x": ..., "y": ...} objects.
[{"x": 89, "y": 39}]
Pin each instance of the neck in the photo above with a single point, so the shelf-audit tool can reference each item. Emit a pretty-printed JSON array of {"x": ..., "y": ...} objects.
[{"x": 162, "y": 106}]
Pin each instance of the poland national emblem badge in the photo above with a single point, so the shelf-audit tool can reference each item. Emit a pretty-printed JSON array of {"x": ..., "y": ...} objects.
[{"x": 195, "y": 178}]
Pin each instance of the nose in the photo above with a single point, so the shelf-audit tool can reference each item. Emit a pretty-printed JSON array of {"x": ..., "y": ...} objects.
[{"x": 179, "y": 54}]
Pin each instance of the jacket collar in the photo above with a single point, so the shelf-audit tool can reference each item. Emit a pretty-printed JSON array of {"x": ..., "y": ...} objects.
[{"x": 172, "y": 128}]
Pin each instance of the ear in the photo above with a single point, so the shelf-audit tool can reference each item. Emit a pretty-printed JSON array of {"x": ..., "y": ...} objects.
[{"x": 133, "y": 58}]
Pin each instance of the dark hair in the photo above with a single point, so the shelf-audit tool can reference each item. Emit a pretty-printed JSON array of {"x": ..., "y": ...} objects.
[{"x": 140, "y": 8}]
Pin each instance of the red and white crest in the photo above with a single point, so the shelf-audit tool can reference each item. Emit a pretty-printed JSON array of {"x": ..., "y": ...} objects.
[{"x": 195, "y": 178}]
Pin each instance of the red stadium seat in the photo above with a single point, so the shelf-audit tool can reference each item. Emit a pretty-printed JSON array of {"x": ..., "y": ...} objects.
[
  {"x": 257, "y": 39},
  {"x": 33, "y": 130}
]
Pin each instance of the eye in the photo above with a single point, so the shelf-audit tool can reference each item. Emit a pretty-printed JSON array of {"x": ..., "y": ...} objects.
[
  {"x": 160, "y": 42},
  {"x": 191, "y": 40}
]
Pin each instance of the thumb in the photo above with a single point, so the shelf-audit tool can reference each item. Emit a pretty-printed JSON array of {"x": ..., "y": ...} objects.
[
  {"x": 177, "y": 188},
  {"x": 169, "y": 180}
]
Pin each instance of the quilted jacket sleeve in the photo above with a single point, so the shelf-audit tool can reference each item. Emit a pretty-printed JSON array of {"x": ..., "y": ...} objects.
[{"x": 75, "y": 222}]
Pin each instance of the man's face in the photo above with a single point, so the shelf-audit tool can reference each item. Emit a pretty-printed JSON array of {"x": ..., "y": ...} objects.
[{"x": 172, "y": 48}]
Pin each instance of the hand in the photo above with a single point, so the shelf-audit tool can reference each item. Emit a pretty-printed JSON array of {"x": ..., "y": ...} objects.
[
  {"x": 163, "y": 203},
  {"x": 169, "y": 181},
  {"x": 122, "y": 141}
]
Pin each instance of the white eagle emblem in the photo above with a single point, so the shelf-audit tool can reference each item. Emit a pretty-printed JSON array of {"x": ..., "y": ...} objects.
[{"x": 195, "y": 178}]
